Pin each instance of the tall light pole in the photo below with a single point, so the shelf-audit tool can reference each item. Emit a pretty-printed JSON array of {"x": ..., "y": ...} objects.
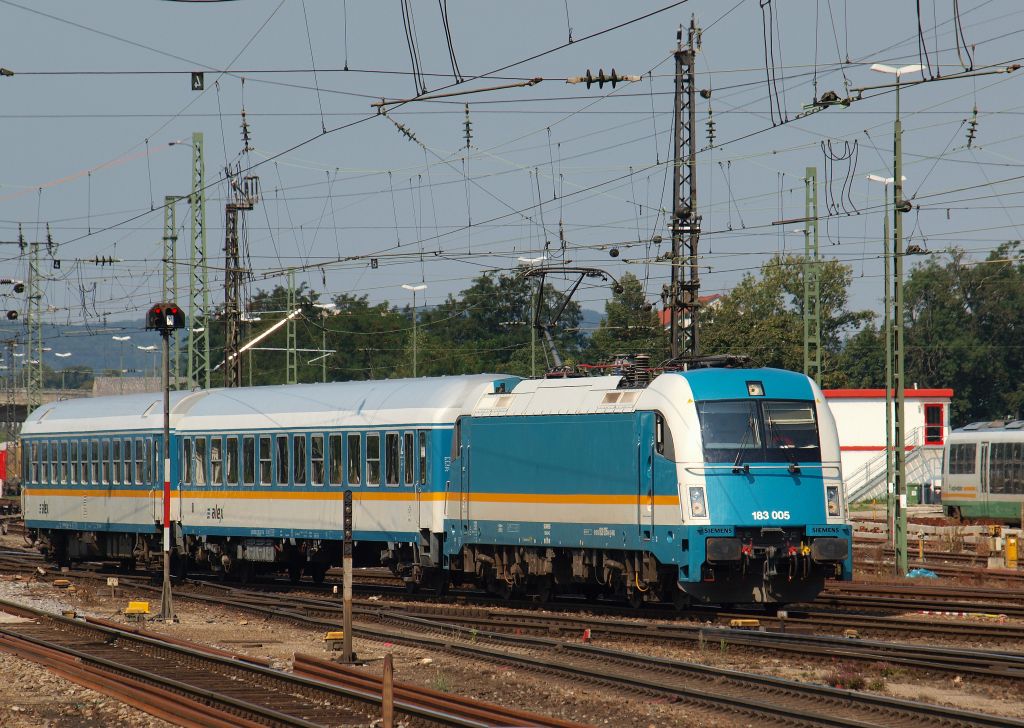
[
  {"x": 887, "y": 278},
  {"x": 63, "y": 370},
  {"x": 120, "y": 368},
  {"x": 531, "y": 262},
  {"x": 900, "y": 206},
  {"x": 415, "y": 289}
]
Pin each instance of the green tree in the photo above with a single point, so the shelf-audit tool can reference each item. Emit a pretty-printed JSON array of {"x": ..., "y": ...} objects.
[
  {"x": 630, "y": 326},
  {"x": 763, "y": 317}
]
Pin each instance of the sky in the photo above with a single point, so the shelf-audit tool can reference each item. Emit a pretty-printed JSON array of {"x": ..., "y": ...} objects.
[{"x": 363, "y": 202}]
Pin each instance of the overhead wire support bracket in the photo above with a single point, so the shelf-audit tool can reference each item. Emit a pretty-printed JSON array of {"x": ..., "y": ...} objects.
[{"x": 382, "y": 105}]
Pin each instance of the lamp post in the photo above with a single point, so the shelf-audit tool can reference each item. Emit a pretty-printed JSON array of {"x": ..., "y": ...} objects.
[
  {"x": 415, "y": 289},
  {"x": 64, "y": 369},
  {"x": 900, "y": 206},
  {"x": 531, "y": 262},
  {"x": 887, "y": 285},
  {"x": 120, "y": 369}
]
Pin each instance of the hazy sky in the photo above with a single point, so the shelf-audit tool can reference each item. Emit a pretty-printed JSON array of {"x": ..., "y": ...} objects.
[{"x": 101, "y": 88}]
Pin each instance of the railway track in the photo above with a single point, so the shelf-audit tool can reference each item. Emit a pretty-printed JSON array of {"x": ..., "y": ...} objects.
[{"x": 194, "y": 685}]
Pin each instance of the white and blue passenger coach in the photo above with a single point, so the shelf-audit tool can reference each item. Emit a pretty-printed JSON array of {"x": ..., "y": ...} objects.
[{"x": 715, "y": 485}]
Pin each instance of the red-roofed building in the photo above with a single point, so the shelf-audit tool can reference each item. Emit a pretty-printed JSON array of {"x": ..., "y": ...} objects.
[{"x": 712, "y": 301}]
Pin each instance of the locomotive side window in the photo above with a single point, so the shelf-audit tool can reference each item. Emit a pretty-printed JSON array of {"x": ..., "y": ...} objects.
[
  {"x": 391, "y": 461},
  {"x": 316, "y": 457},
  {"x": 409, "y": 459},
  {"x": 299, "y": 443},
  {"x": 95, "y": 462},
  {"x": 790, "y": 425},
  {"x": 116, "y": 457},
  {"x": 337, "y": 464},
  {"x": 282, "y": 471},
  {"x": 265, "y": 455},
  {"x": 216, "y": 461},
  {"x": 186, "y": 460},
  {"x": 372, "y": 458},
  {"x": 231, "y": 456},
  {"x": 423, "y": 457},
  {"x": 249, "y": 460},
  {"x": 355, "y": 459}
]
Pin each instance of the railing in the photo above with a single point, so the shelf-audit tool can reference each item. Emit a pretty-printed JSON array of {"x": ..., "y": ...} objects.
[{"x": 871, "y": 476}]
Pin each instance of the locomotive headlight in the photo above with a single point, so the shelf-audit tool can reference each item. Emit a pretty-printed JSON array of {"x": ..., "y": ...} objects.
[
  {"x": 832, "y": 500},
  {"x": 698, "y": 508}
]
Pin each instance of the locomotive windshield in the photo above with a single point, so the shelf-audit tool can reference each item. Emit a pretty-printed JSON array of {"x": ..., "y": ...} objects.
[{"x": 759, "y": 431}]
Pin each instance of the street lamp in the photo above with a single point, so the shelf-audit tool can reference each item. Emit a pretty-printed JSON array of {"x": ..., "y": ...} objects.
[
  {"x": 900, "y": 206},
  {"x": 63, "y": 371},
  {"x": 415, "y": 289},
  {"x": 531, "y": 262},
  {"x": 120, "y": 368}
]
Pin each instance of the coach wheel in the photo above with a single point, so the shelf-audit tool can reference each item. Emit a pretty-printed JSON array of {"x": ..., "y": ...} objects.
[
  {"x": 245, "y": 570},
  {"x": 294, "y": 573},
  {"x": 545, "y": 589},
  {"x": 439, "y": 581},
  {"x": 127, "y": 565}
]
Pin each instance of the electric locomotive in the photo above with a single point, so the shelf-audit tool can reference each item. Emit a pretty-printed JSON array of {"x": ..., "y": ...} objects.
[{"x": 711, "y": 485}]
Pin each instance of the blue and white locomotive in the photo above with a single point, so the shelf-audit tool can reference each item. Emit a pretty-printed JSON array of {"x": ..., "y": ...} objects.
[{"x": 710, "y": 485}]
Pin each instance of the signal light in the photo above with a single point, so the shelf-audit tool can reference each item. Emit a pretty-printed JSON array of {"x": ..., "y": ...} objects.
[{"x": 165, "y": 317}]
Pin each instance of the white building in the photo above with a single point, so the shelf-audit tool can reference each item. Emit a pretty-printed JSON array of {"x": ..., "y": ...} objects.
[{"x": 860, "y": 418}]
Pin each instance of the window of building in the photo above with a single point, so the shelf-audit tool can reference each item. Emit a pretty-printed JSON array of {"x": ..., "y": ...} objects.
[
  {"x": 265, "y": 459},
  {"x": 337, "y": 465},
  {"x": 372, "y": 458},
  {"x": 423, "y": 457},
  {"x": 391, "y": 460},
  {"x": 934, "y": 426},
  {"x": 961, "y": 458},
  {"x": 248, "y": 460},
  {"x": 199, "y": 460},
  {"x": 283, "y": 470},
  {"x": 408, "y": 458},
  {"x": 231, "y": 457},
  {"x": 355, "y": 460},
  {"x": 299, "y": 445},
  {"x": 316, "y": 456}
]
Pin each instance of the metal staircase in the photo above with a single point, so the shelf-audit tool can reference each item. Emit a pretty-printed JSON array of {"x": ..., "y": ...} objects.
[{"x": 923, "y": 465}]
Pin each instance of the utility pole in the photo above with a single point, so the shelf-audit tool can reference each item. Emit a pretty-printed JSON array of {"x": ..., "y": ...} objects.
[
  {"x": 246, "y": 193},
  {"x": 34, "y": 351},
  {"x": 11, "y": 429},
  {"x": 887, "y": 256},
  {"x": 681, "y": 296},
  {"x": 170, "y": 289},
  {"x": 199, "y": 292},
  {"x": 291, "y": 363},
  {"x": 812, "y": 282},
  {"x": 899, "y": 422}
]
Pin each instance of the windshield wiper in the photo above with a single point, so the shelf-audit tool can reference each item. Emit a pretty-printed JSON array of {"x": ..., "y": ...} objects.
[{"x": 736, "y": 468}]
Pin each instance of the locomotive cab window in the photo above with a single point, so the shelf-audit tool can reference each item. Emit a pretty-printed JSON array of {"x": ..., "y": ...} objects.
[{"x": 749, "y": 431}]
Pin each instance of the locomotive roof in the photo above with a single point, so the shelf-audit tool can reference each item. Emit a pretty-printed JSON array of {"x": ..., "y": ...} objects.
[
  {"x": 993, "y": 426},
  {"x": 429, "y": 400}
]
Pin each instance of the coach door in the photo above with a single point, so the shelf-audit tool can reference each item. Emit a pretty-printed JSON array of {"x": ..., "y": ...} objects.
[
  {"x": 645, "y": 475},
  {"x": 464, "y": 449},
  {"x": 983, "y": 479}
]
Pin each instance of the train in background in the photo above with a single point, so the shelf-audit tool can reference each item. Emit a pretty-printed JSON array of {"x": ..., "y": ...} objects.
[
  {"x": 714, "y": 485},
  {"x": 983, "y": 471}
]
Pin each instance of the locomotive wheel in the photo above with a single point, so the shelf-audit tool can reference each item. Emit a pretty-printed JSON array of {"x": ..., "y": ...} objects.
[{"x": 635, "y": 598}]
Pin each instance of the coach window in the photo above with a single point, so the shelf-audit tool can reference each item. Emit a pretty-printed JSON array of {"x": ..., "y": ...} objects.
[
  {"x": 147, "y": 460},
  {"x": 282, "y": 460},
  {"x": 60, "y": 468},
  {"x": 355, "y": 459},
  {"x": 231, "y": 457},
  {"x": 248, "y": 460},
  {"x": 216, "y": 461},
  {"x": 105, "y": 461},
  {"x": 140, "y": 461},
  {"x": 44, "y": 462},
  {"x": 94, "y": 445},
  {"x": 128, "y": 463},
  {"x": 373, "y": 458},
  {"x": 337, "y": 464},
  {"x": 199, "y": 460},
  {"x": 33, "y": 474},
  {"x": 186, "y": 460},
  {"x": 423, "y": 457},
  {"x": 408, "y": 458},
  {"x": 116, "y": 457},
  {"x": 299, "y": 446},
  {"x": 265, "y": 459},
  {"x": 83, "y": 461},
  {"x": 392, "y": 462},
  {"x": 316, "y": 455},
  {"x": 74, "y": 462}
]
